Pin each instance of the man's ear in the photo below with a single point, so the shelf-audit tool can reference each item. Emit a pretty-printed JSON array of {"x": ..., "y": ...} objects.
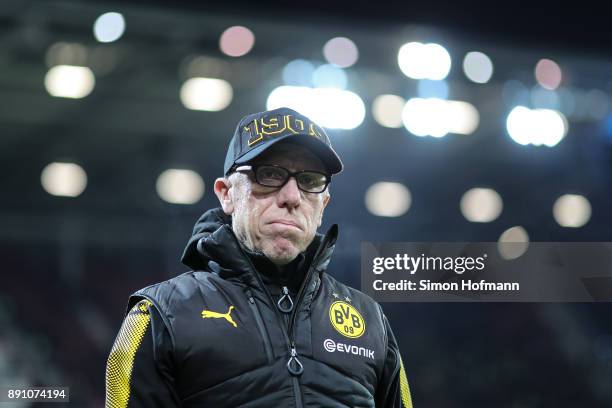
[
  {"x": 326, "y": 199},
  {"x": 222, "y": 190}
]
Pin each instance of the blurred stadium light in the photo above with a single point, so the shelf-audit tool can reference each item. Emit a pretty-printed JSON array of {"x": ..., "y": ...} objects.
[
  {"x": 513, "y": 243},
  {"x": 481, "y": 205},
  {"x": 387, "y": 110},
  {"x": 438, "y": 117},
  {"x": 388, "y": 199},
  {"x": 478, "y": 67},
  {"x": 109, "y": 27},
  {"x": 341, "y": 51},
  {"x": 329, "y": 76},
  {"x": 64, "y": 179},
  {"x": 206, "y": 94},
  {"x": 329, "y": 107},
  {"x": 180, "y": 186},
  {"x": 536, "y": 126},
  {"x": 236, "y": 41},
  {"x": 66, "y": 81},
  {"x": 572, "y": 210},
  {"x": 424, "y": 61},
  {"x": 548, "y": 74},
  {"x": 427, "y": 88},
  {"x": 298, "y": 73}
]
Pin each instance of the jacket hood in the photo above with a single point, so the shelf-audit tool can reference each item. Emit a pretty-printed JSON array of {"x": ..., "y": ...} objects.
[
  {"x": 213, "y": 240},
  {"x": 209, "y": 222}
]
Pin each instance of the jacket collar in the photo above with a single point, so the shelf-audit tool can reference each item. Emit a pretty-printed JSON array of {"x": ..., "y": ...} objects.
[{"x": 213, "y": 246}]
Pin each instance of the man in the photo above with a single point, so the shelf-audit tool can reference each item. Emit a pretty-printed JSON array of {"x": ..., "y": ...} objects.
[{"x": 258, "y": 322}]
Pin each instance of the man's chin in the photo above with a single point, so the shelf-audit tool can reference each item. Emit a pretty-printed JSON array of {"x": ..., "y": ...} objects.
[{"x": 281, "y": 252}]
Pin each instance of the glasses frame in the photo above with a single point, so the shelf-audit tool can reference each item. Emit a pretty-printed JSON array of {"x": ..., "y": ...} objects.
[{"x": 254, "y": 167}]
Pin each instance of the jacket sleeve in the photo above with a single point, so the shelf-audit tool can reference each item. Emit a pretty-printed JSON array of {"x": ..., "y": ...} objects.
[
  {"x": 138, "y": 370},
  {"x": 393, "y": 390}
]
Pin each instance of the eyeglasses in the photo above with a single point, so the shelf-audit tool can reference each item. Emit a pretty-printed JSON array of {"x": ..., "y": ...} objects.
[{"x": 269, "y": 175}]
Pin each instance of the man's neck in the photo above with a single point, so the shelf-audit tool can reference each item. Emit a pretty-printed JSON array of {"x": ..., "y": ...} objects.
[{"x": 275, "y": 276}]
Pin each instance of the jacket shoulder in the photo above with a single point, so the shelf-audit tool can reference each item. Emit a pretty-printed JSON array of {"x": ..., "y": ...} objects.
[{"x": 165, "y": 295}]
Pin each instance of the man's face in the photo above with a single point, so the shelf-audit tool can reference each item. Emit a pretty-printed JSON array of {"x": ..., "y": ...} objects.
[{"x": 280, "y": 222}]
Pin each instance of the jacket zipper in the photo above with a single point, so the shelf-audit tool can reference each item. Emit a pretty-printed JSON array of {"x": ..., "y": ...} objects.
[
  {"x": 298, "y": 302},
  {"x": 260, "y": 325},
  {"x": 294, "y": 366},
  {"x": 297, "y": 368},
  {"x": 290, "y": 345},
  {"x": 287, "y": 333},
  {"x": 279, "y": 318},
  {"x": 297, "y": 392},
  {"x": 281, "y": 301}
]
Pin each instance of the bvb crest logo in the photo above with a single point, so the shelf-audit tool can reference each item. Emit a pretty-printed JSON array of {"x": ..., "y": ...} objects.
[{"x": 346, "y": 319}]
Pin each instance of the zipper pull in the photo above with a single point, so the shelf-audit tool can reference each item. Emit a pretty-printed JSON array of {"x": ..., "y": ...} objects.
[
  {"x": 294, "y": 365},
  {"x": 250, "y": 296},
  {"x": 285, "y": 298}
]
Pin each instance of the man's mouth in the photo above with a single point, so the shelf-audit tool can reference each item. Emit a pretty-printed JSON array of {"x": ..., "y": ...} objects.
[{"x": 287, "y": 223}]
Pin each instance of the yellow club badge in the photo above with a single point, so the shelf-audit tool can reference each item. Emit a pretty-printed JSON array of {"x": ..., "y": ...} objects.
[{"x": 346, "y": 319}]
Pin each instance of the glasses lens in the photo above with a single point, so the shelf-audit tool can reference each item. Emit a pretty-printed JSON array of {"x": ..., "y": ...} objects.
[
  {"x": 271, "y": 176},
  {"x": 312, "y": 181}
]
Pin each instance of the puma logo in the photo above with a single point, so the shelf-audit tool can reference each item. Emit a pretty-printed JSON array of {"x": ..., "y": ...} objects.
[{"x": 207, "y": 314}]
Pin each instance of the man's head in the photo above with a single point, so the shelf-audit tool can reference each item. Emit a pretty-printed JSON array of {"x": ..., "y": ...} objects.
[{"x": 278, "y": 221}]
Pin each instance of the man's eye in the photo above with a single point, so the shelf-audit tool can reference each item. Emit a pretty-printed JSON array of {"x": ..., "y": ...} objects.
[
  {"x": 308, "y": 179},
  {"x": 271, "y": 174}
]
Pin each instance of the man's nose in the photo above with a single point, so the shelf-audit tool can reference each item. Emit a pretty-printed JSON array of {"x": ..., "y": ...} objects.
[{"x": 289, "y": 194}]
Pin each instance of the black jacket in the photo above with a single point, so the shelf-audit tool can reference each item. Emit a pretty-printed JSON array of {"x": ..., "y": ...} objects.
[{"x": 216, "y": 337}]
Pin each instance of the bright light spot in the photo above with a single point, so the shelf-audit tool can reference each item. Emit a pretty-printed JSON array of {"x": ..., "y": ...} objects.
[
  {"x": 206, "y": 94},
  {"x": 427, "y": 88},
  {"x": 387, "y": 110},
  {"x": 66, "y": 81},
  {"x": 513, "y": 243},
  {"x": 572, "y": 210},
  {"x": 544, "y": 98},
  {"x": 548, "y": 74},
  {"x": 341, "y": 52},
  {"x": 64, "y": 179},
  {"x": 437, "y": 117},
  {"x": 387, "y": 199},
  {"x": 463, "y": 118},
  {"x": 481, "y": 205},
  {"x": 180, "y": 186},
  {"x": 329, "y": 76},
  {"x": 477, "y": 67},
  {"x": 536, "y": 126},
  {"x": 424, "y": 61},
  {"x": 237, "y": 41},
  {"x": 298, "y": 73},
  {"x": 109, "y": 27},
  {"x": 420, "y": 117},
  {"x": 331, "y": 108}
]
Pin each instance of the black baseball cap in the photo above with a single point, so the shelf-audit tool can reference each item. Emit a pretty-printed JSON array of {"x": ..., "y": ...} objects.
[{"x": 256, "y": 132}]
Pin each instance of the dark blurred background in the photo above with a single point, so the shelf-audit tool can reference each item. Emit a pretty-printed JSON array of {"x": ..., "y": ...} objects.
[{"x": 493, "y": 124}]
